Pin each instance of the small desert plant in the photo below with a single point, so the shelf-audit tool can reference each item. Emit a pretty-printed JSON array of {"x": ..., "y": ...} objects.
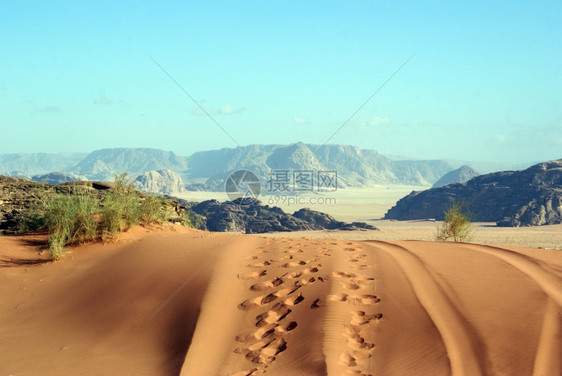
[
  {"x": 456, "y": 224},
  {"x": 153, "y": 211},
  {"x": 34, "y": 217},
  {"x": 124, "y": 207},
  {"x": 193, "y": 220},
  {"x": 121, "y": 208}
]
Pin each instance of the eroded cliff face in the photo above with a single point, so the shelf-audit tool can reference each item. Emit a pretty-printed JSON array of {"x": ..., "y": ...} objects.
[
  {"x": 162, "y": 181},
  {"x": 529, "y": 197}
]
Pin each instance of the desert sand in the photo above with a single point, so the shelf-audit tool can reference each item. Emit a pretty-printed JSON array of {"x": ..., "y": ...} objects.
[{"x": 184, "y": 302}]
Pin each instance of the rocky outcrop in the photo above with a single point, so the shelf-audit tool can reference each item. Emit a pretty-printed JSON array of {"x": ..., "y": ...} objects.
[
  {"x": 162, "y": 181},
  {"x": 460, "y": 175},
  {"x": 529, "y": 197},
  {"x": 16, "y": 196},
  {"x": 251, "y": 217},
  {"x": 19, "y": 196},
  {"x": 325, "y": 221},
  {"x": 58, "y": 178}
]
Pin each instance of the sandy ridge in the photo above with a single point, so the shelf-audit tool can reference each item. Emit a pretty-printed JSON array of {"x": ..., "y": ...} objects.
[
  {"x": 460, "y": 341},
  {"x": 278, "y": 306}
]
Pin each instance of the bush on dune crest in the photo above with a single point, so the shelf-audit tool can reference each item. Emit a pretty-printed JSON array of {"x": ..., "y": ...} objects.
[
  {"x": 80, "y": 215},
  {"x": 70, "y": 219},
  {"x": 456, "y": 224}
]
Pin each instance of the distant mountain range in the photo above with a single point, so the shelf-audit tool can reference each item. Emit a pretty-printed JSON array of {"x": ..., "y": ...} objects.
[
  {"x": 529, "y": 197},
  {"x": 208, "y": 170}
]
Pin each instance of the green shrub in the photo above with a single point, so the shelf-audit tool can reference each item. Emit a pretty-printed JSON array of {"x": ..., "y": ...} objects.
[
  {"x": 153, "y": 210},
  {"x": 34, "y": 217},
  {"x": 120, "y": 210},
  {"x": 456, "y": 224},
  {"x": 78, "y": 215},
  {"x": 193, "y": 220},
  {"x": 70, "y": 218}
]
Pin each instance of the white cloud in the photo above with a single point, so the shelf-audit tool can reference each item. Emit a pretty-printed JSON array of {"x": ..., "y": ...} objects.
[
  {"x": 499, "y": 138},
  {"x": 301, "y": 120},
  {"x": 224, "y": 110},
  {"x": 378, "y": 121},
  {"x": 51, "y": 109},
  {"x": 375, "y": 121}
]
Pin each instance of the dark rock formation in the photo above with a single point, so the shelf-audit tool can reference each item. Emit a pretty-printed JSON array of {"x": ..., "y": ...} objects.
[
  {"x": 511, "y": 198},
  {"x": 58, "y": 177},
  {"x": 460, "y": 175},
  {"x": 251, "y": 217}
]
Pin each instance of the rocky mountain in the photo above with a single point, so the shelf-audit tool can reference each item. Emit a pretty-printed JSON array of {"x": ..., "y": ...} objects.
[
  {"x": 27, "y": 165},
  {"x": 460, "y": 175},
  {"x": 105, "y": 163},
  {"x": 162, "y": 181},
  {"x": 209, "y": 170},
  {"x": 510, "y": 198},
  {"x": 355, "y": 167}
]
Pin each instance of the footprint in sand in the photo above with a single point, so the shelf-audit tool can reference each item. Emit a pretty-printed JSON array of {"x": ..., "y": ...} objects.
[
  {"x": 274, "y": 315},
  {"x": 248, "y": 372},
  {"x": 347, "y": 360},
  {"x": 293, "y": 264},
  {"x": 315, "y": 304},
  {"x": 314, "y": 269},
  {"x": 361, "y": 318},
  {"x": 266, "y": 299},
  {"x": 260, "y": 264},
  {"x": 351, "y": 286},
  {"x": 364, "y": 299},
  {"x": 343, "y": 275},
  {"x": 292, "y": 275},
  {"x": 288, "y": 290},
  {"x": 360, "y": 266},
  {"x": 266, "y": 284},
  {"x": 338, "y": 297},
  {"x": 293, "y": 251},
  {"x": 292, "y": 301},
  {"x": 252, "y": 275}
]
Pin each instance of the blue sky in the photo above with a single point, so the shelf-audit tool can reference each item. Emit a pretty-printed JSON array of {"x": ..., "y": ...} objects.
[{"x": 484, "y": 82}]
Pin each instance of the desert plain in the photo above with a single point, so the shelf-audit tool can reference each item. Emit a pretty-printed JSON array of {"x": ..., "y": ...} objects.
[{"x": 178, "y": 301}]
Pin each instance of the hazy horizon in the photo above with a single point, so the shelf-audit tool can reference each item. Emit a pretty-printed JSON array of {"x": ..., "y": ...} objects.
[
  {"x": 482, "y": 83},
  {"x": 388, "y": 156}
]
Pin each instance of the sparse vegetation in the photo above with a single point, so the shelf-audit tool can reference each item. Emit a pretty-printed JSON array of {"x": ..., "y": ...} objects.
[
  {"x": 80, "y": 215},
  {"x": 456, "y": 224},
  {"x": 191, "y": 219}
]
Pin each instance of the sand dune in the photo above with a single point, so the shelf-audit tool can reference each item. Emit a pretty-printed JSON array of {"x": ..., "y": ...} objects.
[{"x": 185, "y": 302}]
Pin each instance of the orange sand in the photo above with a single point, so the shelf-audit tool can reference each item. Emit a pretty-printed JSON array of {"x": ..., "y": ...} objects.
[{"x": 186, "y": 302}]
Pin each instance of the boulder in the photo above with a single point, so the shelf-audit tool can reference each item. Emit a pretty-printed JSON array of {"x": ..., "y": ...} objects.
[{"x": 161, "y": 181}]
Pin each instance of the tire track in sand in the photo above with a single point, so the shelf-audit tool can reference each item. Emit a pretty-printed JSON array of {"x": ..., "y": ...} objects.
[
  {"x": 462, "y": 349},
  {"x": 550, "y": 283},
  {"x": 547, "y": 357}
]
